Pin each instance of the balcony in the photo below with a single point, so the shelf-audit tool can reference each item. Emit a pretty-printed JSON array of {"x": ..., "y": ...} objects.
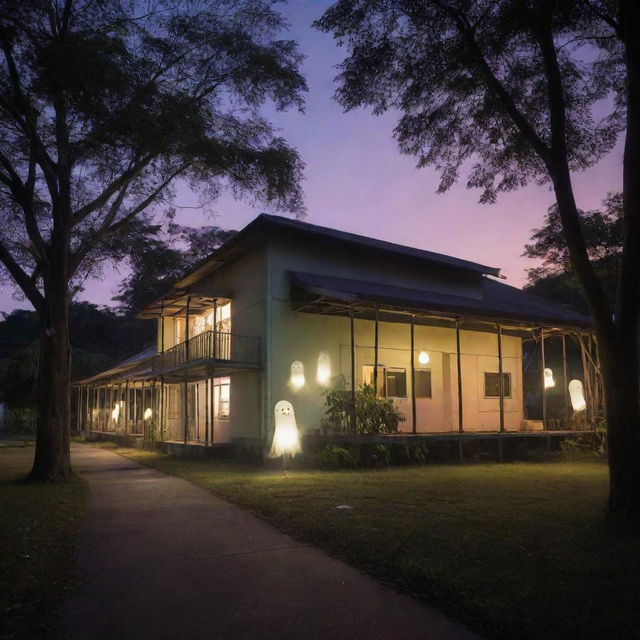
[{"x": 225, "y": 348}]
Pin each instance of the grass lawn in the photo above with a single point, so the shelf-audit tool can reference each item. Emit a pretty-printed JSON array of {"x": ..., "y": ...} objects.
[
  {"x": 514, "y": 550},
  {"x": 38, "y": 531}
]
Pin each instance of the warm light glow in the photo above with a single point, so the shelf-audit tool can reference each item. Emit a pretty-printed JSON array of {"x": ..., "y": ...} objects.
[
  {"x": 423, "y": 357},
  {"x": 148, "y": 413},
  {"x": 285, "y": 436},
  {"x": 199, "y": 325},
  {"x": 323, "y": 375},
  {"x": 297, "y": 375},
  {"x": 548, "y": 379},
  {"x": 115, "y": 414},
  {"x": 577, "y": 396}
]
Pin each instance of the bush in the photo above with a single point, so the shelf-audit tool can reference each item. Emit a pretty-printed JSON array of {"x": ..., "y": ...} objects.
[
  {"x": 374, "y": 414},
  {"x": 332, "y": 458},
  {"x": 408, "y": 454},
  {"x": 22, "y": 420}
]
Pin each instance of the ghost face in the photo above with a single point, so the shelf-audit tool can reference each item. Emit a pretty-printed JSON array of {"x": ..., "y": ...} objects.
[
  {"x": 548, "y": 379},
  {"x": 297, "y": 375},
  {"x": 285, "y": 436},
  {"x": 323, "y": 374}
]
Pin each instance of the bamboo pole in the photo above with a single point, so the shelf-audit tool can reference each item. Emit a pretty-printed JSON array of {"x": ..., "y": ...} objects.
[
  {"x": 459, "y": 362},
  {"x": 501, "y": 378},
  {"x": 413, "y": 376},
  {"x": 542, "y": 389},
  {"x": 375, "y": 352},
  {"x": 353, "y": 372}
]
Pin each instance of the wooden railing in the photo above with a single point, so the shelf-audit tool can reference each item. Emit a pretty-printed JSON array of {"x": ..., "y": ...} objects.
[{"x": 208, "y": 345}]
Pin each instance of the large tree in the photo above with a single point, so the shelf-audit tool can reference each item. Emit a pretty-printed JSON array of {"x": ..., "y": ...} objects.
[
  {"x": 103, "y": 105},
  {"x": 513, "y": 91}
]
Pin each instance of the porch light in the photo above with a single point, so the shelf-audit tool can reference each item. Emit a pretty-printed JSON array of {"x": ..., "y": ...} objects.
[
  {"x": 323, "y": 375},
  {"x": 577, "y": 396},
  {"x": 423, "y": 357},
  {"x": 147, "y": 413},
  {"x": 548, "y": 379},
  {"x": 297, "y": 374},
  {"x": 285, "y": 436}
]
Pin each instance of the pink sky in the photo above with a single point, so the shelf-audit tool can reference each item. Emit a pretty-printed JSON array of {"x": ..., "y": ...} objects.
[{"x": 356, "y": 180}]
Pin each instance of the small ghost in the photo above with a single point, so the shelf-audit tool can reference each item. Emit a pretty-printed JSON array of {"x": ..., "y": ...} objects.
[
  {"x": 297, "y": 375},
  {"x": 115, "y": 414},
  {"x": 577, "y": 396},
  {"x": 285, "y": 436},
  {"x": 548, "y": 379},
  {"x": 323, "y": 375},
  {"x": 147, "y": 413}
]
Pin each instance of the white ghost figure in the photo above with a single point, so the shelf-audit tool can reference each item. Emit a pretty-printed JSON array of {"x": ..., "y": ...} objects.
[
  {"x": 285, "y": 436},
  {"x": 423, "y": 357},
  {"x": 548, "y": 379},
  {"x": 147, "y": 413},
  {"x": 577, "y": 396},
  {"x": 115, "y": 414},
  {"x": 297, "y": 375},
  {"x": 323, "y": 375}
]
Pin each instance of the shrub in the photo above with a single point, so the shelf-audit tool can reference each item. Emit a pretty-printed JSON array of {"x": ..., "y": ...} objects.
[
  {"x": 333, "y": 457},
  {"x": 374, "y": 414}
]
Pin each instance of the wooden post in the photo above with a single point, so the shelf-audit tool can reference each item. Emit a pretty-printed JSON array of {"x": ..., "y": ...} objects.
[
  {"x": 565, "y": 382},
  {"x": 206, "y": 407},
  {"x": 375, "y": 353},
  {"x": 353, "y": 372},
  {"x": 215, "y": 328},
  {"x": 212, "y": 407},
  {"x": 459, "y": 361},
  {"x": 162, "y": 416},
  {"x": 127, "y": 412},
  {"x": 185, "y": 406},
  {"x": 543, "y": 391},
  {"x": 142, "y": 410},
  {"x": 501, "y": 379},
  {"x": 413, "y": 375}
]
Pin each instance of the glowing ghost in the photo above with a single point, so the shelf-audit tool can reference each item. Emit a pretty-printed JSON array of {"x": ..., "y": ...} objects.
[
  {"x": 285, "y": 436},
  {"x": 147, "y": 413},
  {"x": 115, "y": 414},
  {"x": 577, "y": 396},
  {"x": 297, "y": 375},
  {"x": 423, "y": 357},
  {"x": 323, "y": 375},
  {"x": 548, "y": 379}
]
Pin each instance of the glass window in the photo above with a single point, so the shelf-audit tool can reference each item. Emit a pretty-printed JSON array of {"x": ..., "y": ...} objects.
[
  {"x": 367, "y": 377},
  {"x": 423, "y": 383},
  {"x": 492, "y": 385},
  {"x": 396, "y": 380},
  {"x": 221, "y": 398}
]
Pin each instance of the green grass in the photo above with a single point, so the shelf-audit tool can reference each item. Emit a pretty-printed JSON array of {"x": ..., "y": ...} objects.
[
  {"x": 38, "y": 532},
  {"x": 514, "y": 550}
]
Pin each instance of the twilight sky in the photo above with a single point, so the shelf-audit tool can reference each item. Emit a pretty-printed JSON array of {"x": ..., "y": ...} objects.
[{"x": 356, "y": 180}]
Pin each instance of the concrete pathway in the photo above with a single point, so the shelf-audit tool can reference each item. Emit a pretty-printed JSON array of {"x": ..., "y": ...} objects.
[{"x": 161, "y": 558}]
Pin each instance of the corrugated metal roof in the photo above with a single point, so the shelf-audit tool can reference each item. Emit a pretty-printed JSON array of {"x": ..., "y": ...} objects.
[{"x": 499, "y": 301}]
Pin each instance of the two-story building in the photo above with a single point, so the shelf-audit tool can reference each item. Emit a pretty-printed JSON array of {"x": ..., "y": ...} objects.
[{"x": 285, "y": 308}]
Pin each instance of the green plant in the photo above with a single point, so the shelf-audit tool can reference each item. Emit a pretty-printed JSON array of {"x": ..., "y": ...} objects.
[
  {"x": 374, "y": 414},
  {"x": 22, "y": 420},
  {"x": 333, "y": 457}
]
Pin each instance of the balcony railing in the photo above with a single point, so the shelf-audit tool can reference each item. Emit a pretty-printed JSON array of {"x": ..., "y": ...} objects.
[{"x": 210, "y": 345}]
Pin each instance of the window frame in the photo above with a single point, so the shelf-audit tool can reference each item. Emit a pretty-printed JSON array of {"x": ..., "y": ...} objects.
[
  {"x": 505, "y": 374},
  {"x": 423, "y": 370},
  {"x": 386, "y": 382}
]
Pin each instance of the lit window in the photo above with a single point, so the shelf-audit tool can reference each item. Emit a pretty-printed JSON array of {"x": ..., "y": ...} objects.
[
  {"x": 423, "y": 383},
  {"x": 492, "y": 385},
  {"x": 367, "y": 377},
  {"x": 221, "y": 398}
]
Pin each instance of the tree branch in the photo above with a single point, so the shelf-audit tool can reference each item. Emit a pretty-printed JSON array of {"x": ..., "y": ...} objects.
[{"x": 22, "y": 279}]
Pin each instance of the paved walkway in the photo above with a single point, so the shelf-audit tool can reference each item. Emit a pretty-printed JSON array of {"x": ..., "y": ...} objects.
[{"x": 161, "y": 558}]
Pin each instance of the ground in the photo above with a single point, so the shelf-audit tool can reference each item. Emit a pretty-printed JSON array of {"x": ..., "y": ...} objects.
[
  {"x": 514, "y": 550},
  {"x": 38, "y": 531}
]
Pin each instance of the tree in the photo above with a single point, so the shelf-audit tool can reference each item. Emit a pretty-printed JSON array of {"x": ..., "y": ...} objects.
[
  {"x": 554, "y": 279},
  {"x": 103, "y": 105},
  {"x": 510, "y": 90}
]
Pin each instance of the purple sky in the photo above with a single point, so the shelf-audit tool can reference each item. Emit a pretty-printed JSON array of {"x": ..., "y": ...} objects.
[{"x": 356, "y": 180}]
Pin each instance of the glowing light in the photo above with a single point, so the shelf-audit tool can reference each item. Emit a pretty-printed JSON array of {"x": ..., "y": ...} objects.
[
  {"x": 285, "y": 436},
  {"x": 423, "y": 357},
  {"x": 577, "y": 396},
  {"x": 548, "y": 379},
  {"x": 147, "y": 413},
  {"x": 115, "y": 414},
  {"x": 323, "y": 375},
  {"x": 297, "y": 375},
  {"x": 199, "y": 325}
]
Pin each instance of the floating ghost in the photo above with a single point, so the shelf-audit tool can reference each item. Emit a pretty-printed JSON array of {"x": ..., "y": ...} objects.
[
  {"x": 115, "y": 414},
  {"x": 147, "y": 413},
  {"x": 577, "y": 396},
  {"x": 423, "y": 357},
  {"x": 285, "y": 436},
  {"x": 297, "y": 375},
  {"x": 323, "y": 375},
  {"x": 548, "y": 379}
]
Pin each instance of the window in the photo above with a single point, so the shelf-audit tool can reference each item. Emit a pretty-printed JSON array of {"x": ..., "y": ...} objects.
[
  {"x": 221, "y": 398},
  {"x": 396, "y": 383},
  {"x": 423, "y": 383},
  {"x": 367, "y": 377},
  {"x": 492, "y": 385}
]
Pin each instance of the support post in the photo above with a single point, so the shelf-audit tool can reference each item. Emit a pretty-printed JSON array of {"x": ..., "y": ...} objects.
[
  {"x": 207, "y": 414},
  {"x": 413, "y": 374},
  {"x": 375, "y": 352},
  {"x": 127, "y": 411},
  {"x": 501, "y": 378},
  {"x": 353, "y": 372},
  {"x": 565, "y": 382},
  {"x": 185, "y": 393},
  {"x": 142, "y": 410},
  {"x": 212, "y": 406},
  {"x": 459, "y": 361},
  {"x": 543, "y": 364},
  {"x": 162, "y": 417}
]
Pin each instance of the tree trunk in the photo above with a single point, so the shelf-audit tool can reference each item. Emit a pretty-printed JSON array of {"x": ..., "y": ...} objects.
[{"x": 52, "y": 456}]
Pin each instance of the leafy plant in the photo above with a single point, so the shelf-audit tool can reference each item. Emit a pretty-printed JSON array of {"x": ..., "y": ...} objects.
[{"x": 333, "y": 457}]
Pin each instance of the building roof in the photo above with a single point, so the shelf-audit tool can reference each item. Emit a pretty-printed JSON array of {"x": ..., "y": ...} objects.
[
  {"x": 134, "y": 365},
  {"x": 498, "y": 302}
]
